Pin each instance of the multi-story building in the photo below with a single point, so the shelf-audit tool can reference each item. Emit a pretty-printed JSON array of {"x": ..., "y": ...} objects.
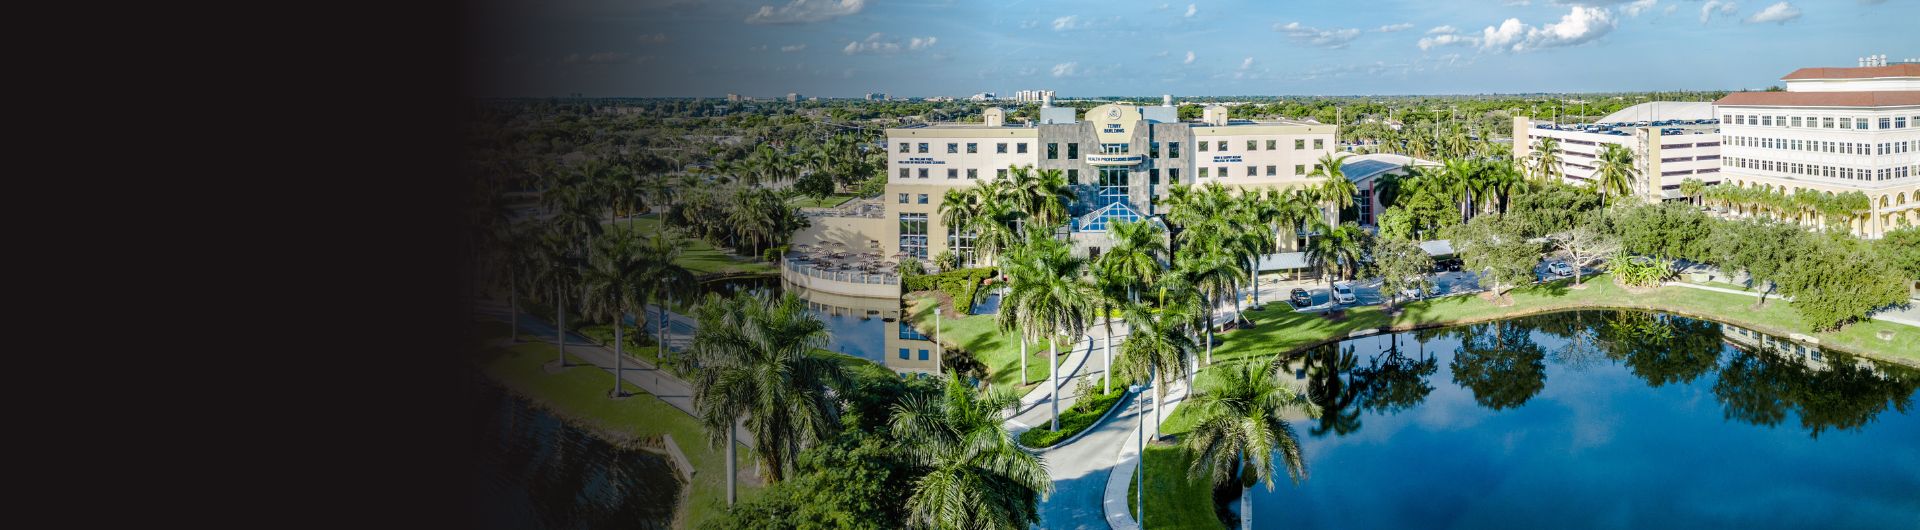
[
  {"x": 1119, "y": 159},
  {"x": 1835, "y": 130},
  {"x": 1032, "y": 96},
  {"x": 1670, "y": 141}
]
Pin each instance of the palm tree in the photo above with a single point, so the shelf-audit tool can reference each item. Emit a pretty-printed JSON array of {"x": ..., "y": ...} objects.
[
  {"x": 1547, "y": 160},
  {"x": 1041, "y": 196},
  {"x": 614, "y": 288},
  {"x": 1459, "y": 177},
  {"x": 1498, "y": 180},
  {"x": 1242, "y": 426},
  {"x": 1691, "y": 187},
  {"x": 758, "y": 362},
  {"x": 1338, "y": 251},
  {"x": 1051, "y": 298},
  {"x": 1336, "y": 192},
  {"x": 665, "y": 280},
  {"x": 1213, "y": 273},
  {"x": 1156, "y": 348},
  {"x": 1135, "y": 263},
  {"x": 973, "y": 475},
  {"x": 1614, "y": 172},
  {"x": 558, "y": 276}
]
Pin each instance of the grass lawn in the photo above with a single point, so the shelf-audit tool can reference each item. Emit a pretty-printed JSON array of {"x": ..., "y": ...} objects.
[
  {"x": 580, "y": 394},
  {"x": 829, "y": 202},
  {"x": 980, "y": 337},
  {"x": 1178, "y": 502},
  {"x": 701, "y": 257}
]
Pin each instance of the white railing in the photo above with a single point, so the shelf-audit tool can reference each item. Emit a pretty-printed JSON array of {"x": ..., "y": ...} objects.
[{"x": 849, "y": 276}]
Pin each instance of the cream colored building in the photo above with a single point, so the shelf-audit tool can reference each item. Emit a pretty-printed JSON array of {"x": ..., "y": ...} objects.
[
  {"x": 1120, "y": 160},
  {"x": 1834, "y": 130},
  {"x": 1671, "y": 141}
]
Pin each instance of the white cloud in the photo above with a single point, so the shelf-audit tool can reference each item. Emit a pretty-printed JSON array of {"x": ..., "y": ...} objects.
[
  {"x": 802, "y": 11},
  {"x": 1779, "y": 13},
  {"x": 1189, "y": 58},
  {"x": 1447, "y": 39},
  {"x": 1723, "y": 7},
  {"x": 654, "y": 38},
  {"x": 1066, "y": 69},
  {"x": 1638, "y": 6},
  {"x": 1246, "y": 64},
  {"x": 1192, "y": 9},
  {"x": 1390, "y": 28},
  {"x": 1670, "y": 9},
  {"x": 793, "y": 48},
  {"x": 1327, "y": 38},
  {"x": 880, "y": 44},
  {"x": 1580, "y": 25},
  {"x": 760, "y": 48},
  {"x": 1065, "y": 23},
  {"x": 1442, "y": 29}
]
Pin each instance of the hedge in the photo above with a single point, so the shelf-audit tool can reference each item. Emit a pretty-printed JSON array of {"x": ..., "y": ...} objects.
[
  {"x": 1075, "y": 419},
  {"x": 961, "y": 285}
]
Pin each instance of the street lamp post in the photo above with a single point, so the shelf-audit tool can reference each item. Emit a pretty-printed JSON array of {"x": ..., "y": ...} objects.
[
  {"x": 1140, "y": 469},
  {"x": 938, "y": 351}
]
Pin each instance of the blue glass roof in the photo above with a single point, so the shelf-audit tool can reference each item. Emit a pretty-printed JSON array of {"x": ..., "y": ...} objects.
[
  {"x": 1105, "y": 216},
  {"x": 1364, "y": 168}
]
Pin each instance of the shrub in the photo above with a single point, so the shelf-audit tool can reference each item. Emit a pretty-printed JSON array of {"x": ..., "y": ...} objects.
[
  {"x": 1079, "y": 417},
  {"x": 946, "y": 260},
  {"x": 1640, "y": 271},
  {"x": 960, "y": 285}
]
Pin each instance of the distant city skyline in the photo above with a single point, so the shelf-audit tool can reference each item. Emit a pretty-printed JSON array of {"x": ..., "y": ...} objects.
[{"x": 848, "y": 48}]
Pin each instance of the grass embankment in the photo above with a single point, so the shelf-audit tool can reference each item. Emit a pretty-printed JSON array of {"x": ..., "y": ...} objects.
[
  {"x": 1176, "y": 501},
  {"x": 579, "y": 394},
  {"x": 1079, "y": 417},
  {"x": 829, "y": 201},
  {"x": 980, "y": 336},
  {"x": 701, "y": 258}
]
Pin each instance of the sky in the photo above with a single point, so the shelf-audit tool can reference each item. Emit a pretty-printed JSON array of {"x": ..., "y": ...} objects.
[{"x": 1090, "y": 48}]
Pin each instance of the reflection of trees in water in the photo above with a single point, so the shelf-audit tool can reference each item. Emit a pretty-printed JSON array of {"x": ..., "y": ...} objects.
[
  {"x": 1661, "y": 348},
  {"x": 1762, "y": 387},
  {"x": 1501, "y": 364},
  {"x": 1580, "y": 329},
  {"x": 1396, "y": 382},
  {"x": 1333, "y": 386}
]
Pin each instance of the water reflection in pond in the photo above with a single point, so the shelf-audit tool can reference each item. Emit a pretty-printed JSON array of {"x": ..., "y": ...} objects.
[
  {"x": 868, "y": 328},
  {"x": 535, "y": 471},
  {"x": 1601, "y": 419}
]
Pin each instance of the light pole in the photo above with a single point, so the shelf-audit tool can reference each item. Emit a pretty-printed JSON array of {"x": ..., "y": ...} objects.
[
  {"x": 1140, "y": 469},
  {"x": 938, "y": 351}
]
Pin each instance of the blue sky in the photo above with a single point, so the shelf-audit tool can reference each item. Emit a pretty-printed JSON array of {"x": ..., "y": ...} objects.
[{"x": 842, "y": 48}]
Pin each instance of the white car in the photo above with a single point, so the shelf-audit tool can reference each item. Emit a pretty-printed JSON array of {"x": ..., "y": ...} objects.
[
  {"x": 1343, "y": 294},
  {"x": 1560, "y": 268}
]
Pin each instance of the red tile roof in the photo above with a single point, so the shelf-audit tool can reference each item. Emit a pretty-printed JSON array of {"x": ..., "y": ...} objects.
[
  {"x": 1883, "y": 98},
  {"x": 1892, "y": 70}
]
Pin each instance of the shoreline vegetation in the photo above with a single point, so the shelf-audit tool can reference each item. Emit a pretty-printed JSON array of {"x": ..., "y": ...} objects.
[{"x": 578, "y": 395}]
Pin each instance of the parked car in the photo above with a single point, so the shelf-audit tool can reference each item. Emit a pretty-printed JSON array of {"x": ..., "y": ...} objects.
[
  {"x": 1300, "y": 298},
  {"x": 1560, "y": 268},
  {"x": 1343, "y": 294}
]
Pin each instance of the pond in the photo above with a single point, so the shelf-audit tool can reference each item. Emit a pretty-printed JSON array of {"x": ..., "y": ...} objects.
[
  {"x": 868, "y": 328},
  {"x": 535, "y": 471},
  {"x": 1600, "y": 419}
]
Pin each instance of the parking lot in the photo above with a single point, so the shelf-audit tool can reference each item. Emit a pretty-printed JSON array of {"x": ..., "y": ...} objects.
[{"x": 1367, "y": 291}]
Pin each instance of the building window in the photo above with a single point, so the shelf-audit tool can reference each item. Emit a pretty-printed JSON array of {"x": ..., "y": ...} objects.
[
  {"x": 922, "y": 198},
  {"x": 961, "y": 241},
  {"x": 903, "y": 172},
  {"x": 1000, "y": 173},
  {"x": 1253, "y": 145},
  {"x": 1073, "y": 151},
  {"x": 1153, "y": 177},
  {"x": 973, "y": 173},
  {"x": 1319, "y": 143},
  {"x": 1271, "y": 170},
  {"x": 904, "y": 147},
  {"x": 923, "y": 147},
  {"x": 972, "y": 148},
  {"x": 1022, "y": 148},
  {"x": 1220, "y": 171},
  {"x": 1113, "y": 187},
  {"x": 1053, "y": 151},
  {"x": 903, "y": 353},
  {"x": 923, "y": 355},
  {"x": 923, "y": 172},
  {"x": 1253, "y": 171},
  {"x": 1299, "y": 170},
  {"x": 1001, "y": 148},
  {"x": 953, "y": 148},
  {"x": 1860, "y": 123},
  {"x": 903, "y": 198},
  {"x": 953, "y": 173},
  {"x": 1173, "y": 175},
  {"x": 1299, "y": 144},
  {"x": 1153, "y": 149},
  {"x": 1114, "y": 149},
  {"x": 1223, "y": 146},
  {"x": 1173, "y": 149},
  {"x": 913, "y": 234},
  {"x": 1203, "y": 172},
  {"x": 1203, "y": 147},
  {"x": 1073, "y": 176},
  {"x": 1886, "y": 123},
  {"x": 1273, "y": 144},
  {"x": 1793, "y": 122}
]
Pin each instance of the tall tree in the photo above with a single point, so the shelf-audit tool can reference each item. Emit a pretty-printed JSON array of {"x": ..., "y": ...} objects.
[
  {"x": 1157, "y": 349},
  {"x": 614, "y": 289},
  {"x": 1401, "y": 265},
  {"x": 1053, "y": 301},
  {"x": 974, "y": 475},
  {"x": 1614, "y": 172}
]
